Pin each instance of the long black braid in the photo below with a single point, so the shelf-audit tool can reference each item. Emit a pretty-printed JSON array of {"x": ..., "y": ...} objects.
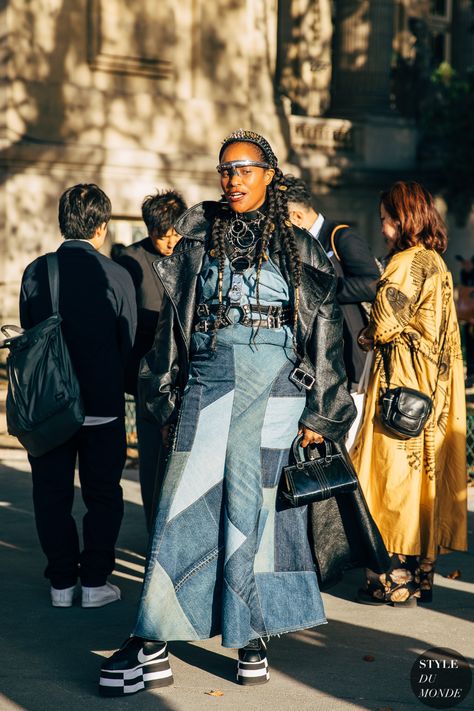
[{"x": 276, "y": 218}]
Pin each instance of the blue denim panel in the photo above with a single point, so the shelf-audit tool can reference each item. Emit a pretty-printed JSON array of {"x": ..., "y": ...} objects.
[
  {"x": 205, "y": 465},
  {"x": 192, "y": 536},
  {"x": 200, "y": 595},
  {"x": 265, "y": 558},
  {"x": 241, "y": 631},
  {"x": 233, "y": 538},
  {"x": 188, "y": 419},
  {"x": 290, "y": 601},
  {"x": 174, "y": 468},
  {"x": 239, "y": 577},
  {"x": 160, "y": 616},
  {"x": 280, "y": 425},
  {"x": 273, "y": 461},
  {"x": 282, "y": 385},
  {"x": 213, "y": 371},
  {"x": 291, "y": 524}
]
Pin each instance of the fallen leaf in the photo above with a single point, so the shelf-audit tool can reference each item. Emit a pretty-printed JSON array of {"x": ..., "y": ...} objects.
[
  {"x": 214, "y": 692},
  {"x": 454, "y": 574},
  {"x": 368, "y": 658}
]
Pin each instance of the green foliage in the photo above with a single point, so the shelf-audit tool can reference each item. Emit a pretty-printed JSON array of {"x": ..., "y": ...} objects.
[{"x": 447, "y": 133}]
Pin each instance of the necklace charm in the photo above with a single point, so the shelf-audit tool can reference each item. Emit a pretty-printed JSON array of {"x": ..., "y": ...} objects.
[
  {"x": 235, "y": 291},
  {"x": 243, "y": 238}
]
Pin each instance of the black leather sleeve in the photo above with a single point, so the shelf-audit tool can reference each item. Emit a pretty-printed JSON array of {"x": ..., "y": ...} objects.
[
  {"x": 158, "y": 376},
  {"x": 329, "y": 409},
  {"x": 360, "y": 270}
]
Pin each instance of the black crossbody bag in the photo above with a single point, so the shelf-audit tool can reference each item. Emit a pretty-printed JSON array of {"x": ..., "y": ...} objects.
[{"x": 404, "y": 412}]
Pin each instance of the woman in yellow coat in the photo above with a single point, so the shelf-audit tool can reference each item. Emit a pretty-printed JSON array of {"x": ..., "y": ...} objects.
[{"x": 416, "y": 488}]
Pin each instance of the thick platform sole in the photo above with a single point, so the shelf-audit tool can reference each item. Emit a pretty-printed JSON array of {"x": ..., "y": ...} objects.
[
  {"x": 252, "y": 673},
  {"x": 152, "y": 675}
]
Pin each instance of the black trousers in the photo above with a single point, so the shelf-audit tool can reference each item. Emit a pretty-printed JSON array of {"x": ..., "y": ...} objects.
[
  {"x": 101, "y": 451},
  {"x": 152, "y": 462}
]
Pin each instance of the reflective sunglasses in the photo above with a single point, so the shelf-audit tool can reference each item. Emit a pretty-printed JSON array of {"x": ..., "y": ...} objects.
[{"x": 232, "y": 167}]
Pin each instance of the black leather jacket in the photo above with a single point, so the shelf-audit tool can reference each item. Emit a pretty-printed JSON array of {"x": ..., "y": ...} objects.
[{"x": 164, "y": 370}]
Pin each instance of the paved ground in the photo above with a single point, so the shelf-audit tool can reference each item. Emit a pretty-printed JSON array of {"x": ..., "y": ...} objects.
[{"x": 50, "y": 657}]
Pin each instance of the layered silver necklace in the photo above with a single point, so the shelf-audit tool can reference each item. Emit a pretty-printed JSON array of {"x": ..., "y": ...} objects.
[{"x": 242, "y": 239}]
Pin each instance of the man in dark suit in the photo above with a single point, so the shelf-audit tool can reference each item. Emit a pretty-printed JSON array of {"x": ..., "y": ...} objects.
[
  {"x": 98, "y": 308},
  {"x": 355, "y": 267},
  {"x": 159, "y": 213}
]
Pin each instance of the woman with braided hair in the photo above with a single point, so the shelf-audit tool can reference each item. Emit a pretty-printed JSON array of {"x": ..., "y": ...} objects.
[{"x": 248, "y": 352}]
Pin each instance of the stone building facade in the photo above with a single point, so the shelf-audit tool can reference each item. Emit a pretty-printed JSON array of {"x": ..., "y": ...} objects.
[{"x": 138, "y": 96}]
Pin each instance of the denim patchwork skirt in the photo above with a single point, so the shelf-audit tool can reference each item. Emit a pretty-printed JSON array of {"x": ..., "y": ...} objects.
[{"x": 226, "y": 555}]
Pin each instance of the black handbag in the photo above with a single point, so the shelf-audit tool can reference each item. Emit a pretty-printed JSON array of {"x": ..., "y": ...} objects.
[
  {"x": 43, "y": 407},
  {"x": 404, "y": 412},
  {"x": 319, "y": 473}
]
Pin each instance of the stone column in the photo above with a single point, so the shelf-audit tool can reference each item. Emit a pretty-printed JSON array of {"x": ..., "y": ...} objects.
[
  {"x": 305, "y": 36},
  {"x": 362, "y": 58}
]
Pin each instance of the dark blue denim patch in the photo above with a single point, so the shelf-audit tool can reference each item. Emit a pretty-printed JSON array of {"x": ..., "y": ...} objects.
[
  {"x": 273, "y": 461},
  {"x": 291, "y": 524}
]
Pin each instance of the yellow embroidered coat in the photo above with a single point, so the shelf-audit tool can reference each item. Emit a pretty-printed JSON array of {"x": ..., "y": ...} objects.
[{"x": 416, "y": 489}]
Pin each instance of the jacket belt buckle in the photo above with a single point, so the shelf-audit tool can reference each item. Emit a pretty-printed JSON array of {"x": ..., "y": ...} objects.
[{"x": 301, "y": 378}]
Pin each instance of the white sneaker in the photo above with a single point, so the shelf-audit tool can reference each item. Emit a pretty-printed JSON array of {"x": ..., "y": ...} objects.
[
  {"x": 97, "y": 597},
  {"x": 62, "y": 598}
]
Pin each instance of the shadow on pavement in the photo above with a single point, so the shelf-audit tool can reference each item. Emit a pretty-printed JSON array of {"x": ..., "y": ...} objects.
[{"x": 51, "y": 657}]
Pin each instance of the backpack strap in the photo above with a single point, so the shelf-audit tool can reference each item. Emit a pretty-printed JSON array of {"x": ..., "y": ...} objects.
[
  {"x": 53, "y": 276},
  {"x": 333, "y": 240}
]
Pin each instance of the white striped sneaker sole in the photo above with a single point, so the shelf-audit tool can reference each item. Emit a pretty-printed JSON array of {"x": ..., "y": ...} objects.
[
  {"x": 253, "y": 672},
  {"x": 150, "y": 675}
]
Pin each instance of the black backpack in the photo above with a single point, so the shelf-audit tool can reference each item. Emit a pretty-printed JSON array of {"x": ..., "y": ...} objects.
[{"x": 44, "y": 407}]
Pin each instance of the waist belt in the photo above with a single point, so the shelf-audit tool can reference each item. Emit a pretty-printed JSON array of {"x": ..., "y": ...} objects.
[{"x": 265, "y": 316}]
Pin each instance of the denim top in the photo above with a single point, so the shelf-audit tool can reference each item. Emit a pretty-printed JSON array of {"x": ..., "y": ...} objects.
[{"x": 273, "y": 290}]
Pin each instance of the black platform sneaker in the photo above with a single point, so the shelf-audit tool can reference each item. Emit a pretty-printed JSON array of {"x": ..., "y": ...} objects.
[
  {"x": 252, "y": 667},
  {"x": 137, "y": 665}
]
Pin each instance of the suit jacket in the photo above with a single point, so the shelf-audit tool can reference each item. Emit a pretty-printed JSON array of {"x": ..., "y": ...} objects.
[
  {"x": 98, "y": 307},
  {"x": 358, "y": 275},
  {"x": 138, "y": 261}
]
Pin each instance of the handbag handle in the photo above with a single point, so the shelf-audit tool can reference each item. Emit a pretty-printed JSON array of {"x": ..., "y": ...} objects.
[{"x": 297, "y": 448}]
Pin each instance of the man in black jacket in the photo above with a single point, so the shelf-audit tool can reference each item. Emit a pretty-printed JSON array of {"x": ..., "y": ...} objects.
[
  {"x": 98, "y": 307},
  {"x": 159, "y": 213},
  {"x": 354, "y": 265}
]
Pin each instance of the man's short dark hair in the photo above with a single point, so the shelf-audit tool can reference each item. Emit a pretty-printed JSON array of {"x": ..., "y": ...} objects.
[
  {"x": 82, "y": 209},
  {"x": 161, "y": 211},
  {"x": 297, "y": 191}
]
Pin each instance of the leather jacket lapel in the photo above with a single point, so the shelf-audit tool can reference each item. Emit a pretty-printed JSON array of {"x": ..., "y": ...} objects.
[{"x": 178, "y": 275}]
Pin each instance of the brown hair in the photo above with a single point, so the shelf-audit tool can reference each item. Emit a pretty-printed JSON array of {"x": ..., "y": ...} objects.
[{"x": 413, "y": 208}]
